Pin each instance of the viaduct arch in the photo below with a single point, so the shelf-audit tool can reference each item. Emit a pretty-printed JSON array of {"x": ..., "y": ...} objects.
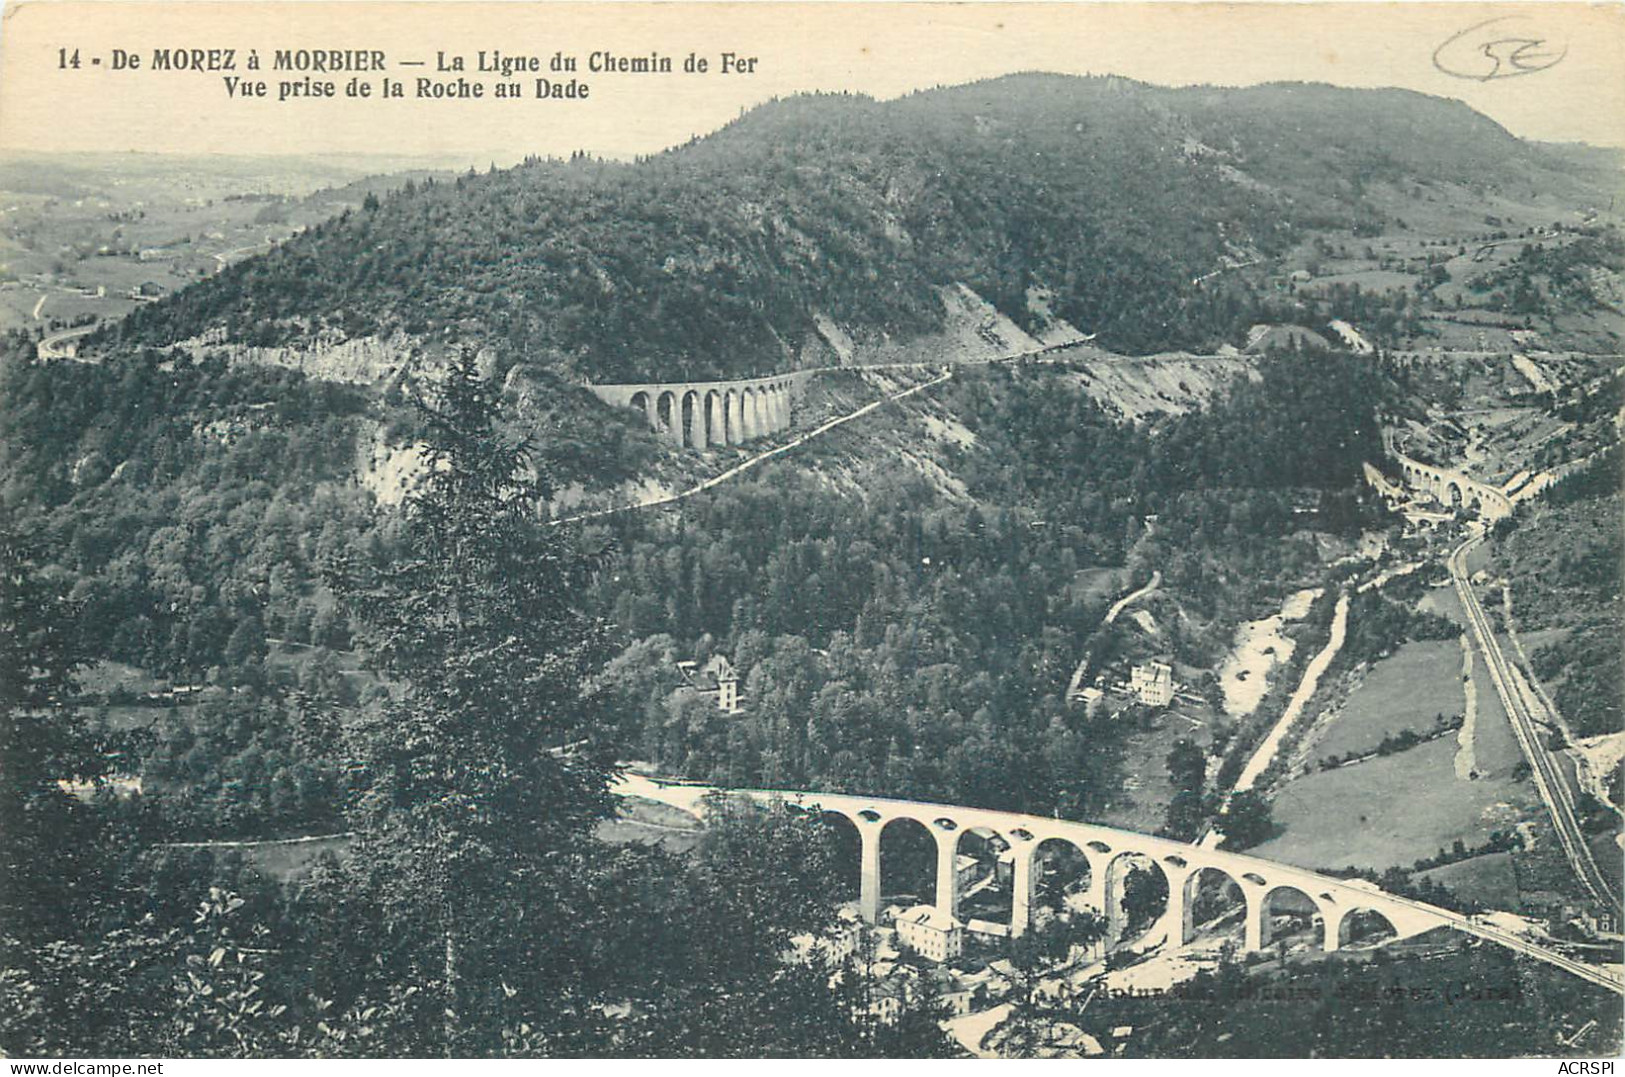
[{"x": 698, "y": 415}]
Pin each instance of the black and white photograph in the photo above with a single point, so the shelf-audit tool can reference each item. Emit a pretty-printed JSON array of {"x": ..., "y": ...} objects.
[{"x": 811, "y": 531}]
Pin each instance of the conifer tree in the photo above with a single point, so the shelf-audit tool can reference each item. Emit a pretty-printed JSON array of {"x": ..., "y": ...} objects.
[{"x": 480, "y": 778}]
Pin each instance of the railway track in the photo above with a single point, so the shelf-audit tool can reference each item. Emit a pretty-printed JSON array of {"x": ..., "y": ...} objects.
[{"x": 1549, "y": 780}]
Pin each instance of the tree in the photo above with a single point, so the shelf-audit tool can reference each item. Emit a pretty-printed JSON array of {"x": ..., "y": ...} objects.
[
  {"x": 1247, "y": 821},
  {"x": 221, "y": 1008},
  {"x": 769, "y": 872},
  {"x": 49, "y": 840},
  {"x": 1187, "y": 769},
  {"x": 480, "y": 782},
  {"x": 60, "y": 976},
  {"x": 702, "y": 948},
  {"x": 1184, "y": 814},
  {"x": 1049, "y": 942},
  {"x": 1145, "y": 894},
  {"x": 247, "y": 641},
  {"x": 1187, "y": 766}
]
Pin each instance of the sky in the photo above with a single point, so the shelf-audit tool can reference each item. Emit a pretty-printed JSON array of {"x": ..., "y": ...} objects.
[{"x": 1569, "y": 59}]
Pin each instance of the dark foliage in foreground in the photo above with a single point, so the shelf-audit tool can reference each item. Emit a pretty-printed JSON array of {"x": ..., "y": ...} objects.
[{"x": 476, "y": 914}]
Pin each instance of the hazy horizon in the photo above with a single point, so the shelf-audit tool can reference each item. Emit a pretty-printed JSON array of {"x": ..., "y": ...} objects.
[
  {"x": 882, "y": 50},
  {"x": 379, "y": 161}
]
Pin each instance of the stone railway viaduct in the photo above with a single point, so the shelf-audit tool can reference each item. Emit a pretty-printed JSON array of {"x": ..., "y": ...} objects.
[
  {"x": 697, "y": 415},
  {"x": 1109, "y": 853},
  {"x": 1453, "y": 489},
  {"x": 700, "y": 414}
]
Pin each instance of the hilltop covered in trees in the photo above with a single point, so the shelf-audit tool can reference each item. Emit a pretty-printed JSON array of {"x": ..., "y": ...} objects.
[{"x": 714, "y": 258}]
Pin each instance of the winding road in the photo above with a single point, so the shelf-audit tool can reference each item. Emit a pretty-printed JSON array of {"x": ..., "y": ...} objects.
[
  {"x": 51, "y": 348},
  {"x": 1111, "y": 615},
  {"x": 1134, "y": 596}
]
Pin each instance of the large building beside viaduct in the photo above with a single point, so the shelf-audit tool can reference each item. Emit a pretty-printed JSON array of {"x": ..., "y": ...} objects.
[
  {"x": 697, "y": 415},
  {"x": 1110, "y": 854}
]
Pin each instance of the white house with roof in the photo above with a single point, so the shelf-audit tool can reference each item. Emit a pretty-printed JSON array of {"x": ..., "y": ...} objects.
[
  {"x": 929, "y": 932},
  {"x": 1153, "y": 683},
  {"x": 717, "y": 677}
]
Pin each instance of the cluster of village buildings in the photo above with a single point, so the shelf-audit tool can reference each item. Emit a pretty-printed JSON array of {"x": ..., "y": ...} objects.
[
  {"x": 895, "y": 971},
  {"x": 918, "y": 954}
]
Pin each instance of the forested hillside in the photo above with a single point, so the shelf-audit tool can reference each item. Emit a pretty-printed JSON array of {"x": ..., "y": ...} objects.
[
  {"x": 478, "y": 914},
  {"x": 896, "y": 642},
  {"x": 893, "y": 638},
  {"x": 219, "y": 543},
  {"x": 194, "y": 503},
  {"x": 1109, "y": 197},
  {"x": 1562, "y": 559}
]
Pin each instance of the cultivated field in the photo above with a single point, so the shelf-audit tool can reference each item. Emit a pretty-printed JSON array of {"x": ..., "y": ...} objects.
[
  {"x": 1491, "y": 879},
  {"x": 81, "y": 231},
  {"x": 1390, "y": 811},
  {"x": 1405, "y": 691},
  {"x": 1495, "y": 748}
]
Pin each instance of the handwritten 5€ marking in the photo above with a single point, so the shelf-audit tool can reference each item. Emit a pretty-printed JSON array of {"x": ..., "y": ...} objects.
[{"x": 1501, "y": 48}]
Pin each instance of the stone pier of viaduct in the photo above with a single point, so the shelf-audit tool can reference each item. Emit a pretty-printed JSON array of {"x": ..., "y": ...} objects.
[
  {"x": 1110, "y": 854},
  {"x": 698, "y": 415}
]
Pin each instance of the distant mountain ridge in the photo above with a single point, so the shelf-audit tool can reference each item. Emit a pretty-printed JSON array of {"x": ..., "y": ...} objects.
[{"x": 1088, "y": 202}]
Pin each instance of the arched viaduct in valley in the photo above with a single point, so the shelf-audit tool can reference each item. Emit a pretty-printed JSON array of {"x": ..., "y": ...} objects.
[
  {"x": 1453, "y": 489},
  {"x": 697, "y": 415},
  {"x": 1266, "y": 888}
]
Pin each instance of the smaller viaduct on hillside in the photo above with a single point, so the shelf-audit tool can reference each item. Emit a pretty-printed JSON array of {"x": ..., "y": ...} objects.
[
  {"x": 697, "y": 415},
  {"x": 1452, "y": 488},
  {"x": 1109, "y": 854}
]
